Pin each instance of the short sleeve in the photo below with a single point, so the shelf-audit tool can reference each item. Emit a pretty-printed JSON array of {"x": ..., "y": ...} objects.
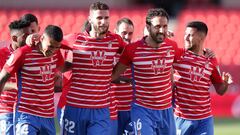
[
  {"x": 128, "y": 54},
  {"x": 216, "y": 74},
  {"x": 68, "y": 41},
  {"x": 60, "y": 61},
  {"x": 15, "y": 61}
]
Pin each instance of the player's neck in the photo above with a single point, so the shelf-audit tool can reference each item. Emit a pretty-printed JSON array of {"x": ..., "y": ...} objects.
[
  {"x": 198, "y": 51},
  {"x": 14, "y": 47},
  {"x": 97, "y": 35}
]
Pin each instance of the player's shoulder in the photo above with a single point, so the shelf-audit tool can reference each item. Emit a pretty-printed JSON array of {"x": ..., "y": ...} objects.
[
  {"x": 170, "y": 42},
  {"x": 24, "y": 49},
  {"x": 214, "y": 61},
  {"x": 4, "y": 49},
  {"x": 135, "y": 44},
  {"x": 114, "y": 36}
]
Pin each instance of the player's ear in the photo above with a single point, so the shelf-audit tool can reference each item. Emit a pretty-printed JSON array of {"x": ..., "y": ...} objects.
[
  {"x": 115, "y": 31},
  {"x": 89, "y": 19},
  {"x": 14, "y": 38},
  {"x": 41, "y": 38},
  {"x": 39, "y": 28}
]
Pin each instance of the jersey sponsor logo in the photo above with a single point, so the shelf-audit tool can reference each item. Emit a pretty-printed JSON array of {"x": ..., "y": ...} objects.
[
  {"x": 97, "y": 58},
  {"x": 46, "y": 72},
  {"x": 196, "y": 73},
  {"x": 158, "y": 65}
]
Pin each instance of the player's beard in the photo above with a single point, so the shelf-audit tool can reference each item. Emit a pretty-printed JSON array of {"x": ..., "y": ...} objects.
[
  {"x": 101, "y": 30},
  {"x": 22, "y": 43},
  {"x": 157, "y": 37}
]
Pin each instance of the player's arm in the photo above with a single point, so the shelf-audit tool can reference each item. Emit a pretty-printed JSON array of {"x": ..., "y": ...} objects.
[
  {"x": 118, "y": 70},
  {"x": 67, "y": 66},
  {"x": 123, "y": 63},
  {"x": 221, "y": 88},
  {"x": 67, "y": 42},
  {"x": 4, "y": 76}
]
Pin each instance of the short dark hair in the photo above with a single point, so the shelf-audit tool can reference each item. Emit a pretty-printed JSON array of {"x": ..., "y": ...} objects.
[
  {"x": 99, "y": 6},
  {"x": 54, "y": 32},
  {"x": 18, "y": 24},
  {"x": 29, "y": 17},
  {"x": 86, "y": 26},
  {"x": 200, "y": 26},
  {"x": 155, "y": 12},
  {"x": 124, "y": 20}
]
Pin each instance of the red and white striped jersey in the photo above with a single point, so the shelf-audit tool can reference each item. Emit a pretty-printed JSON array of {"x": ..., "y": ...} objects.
[
  {"x": 113, "y": 105},
  {"x": 152, "y": 72},
  {"x": 193, "y": 76},
  {"x": 7, "y": 98},
  {"x": 35, "y": 80},
  {"x": 66, "y": 79},
  {"x": 123, "y": 91},
  {"x": 92, "y": 69}
]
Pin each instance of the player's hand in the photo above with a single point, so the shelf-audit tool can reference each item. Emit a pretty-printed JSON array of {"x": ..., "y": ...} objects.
[
  {"x": 33, "y": 39},
  {"x": 227, "y": 78},
  {"x": 121, "y": 80},
  {"x": 170, "y": 34},
  {"x": 209, "y": 53},
  {"x": 9, "y": 86}
]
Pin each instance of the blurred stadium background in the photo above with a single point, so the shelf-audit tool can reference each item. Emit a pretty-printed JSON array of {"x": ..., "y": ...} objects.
[{"x": 221, "y": 16}]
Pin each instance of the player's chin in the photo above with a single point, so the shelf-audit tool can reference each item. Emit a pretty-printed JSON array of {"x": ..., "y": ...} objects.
[
  {"x": 187, "y": 47},
  {"x": 103, "y": 31}
]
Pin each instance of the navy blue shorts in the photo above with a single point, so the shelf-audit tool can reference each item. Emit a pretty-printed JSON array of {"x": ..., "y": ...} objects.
[
  {"x": 84, "y": 121},
  {"x": 28, "y": 124},
  {"x": 194, "y": 127},
  {"x": 6, "y": 124},
  {"x": 152, "y": 122}
]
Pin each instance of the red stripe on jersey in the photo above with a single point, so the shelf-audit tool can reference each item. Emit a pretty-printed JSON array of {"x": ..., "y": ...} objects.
[
  {"x": 152, "y": 72},
  {"x": 36, "y": 75},
  {"x": 123, "y": 91},
  {"x": 7, "y": 98},
  {"x": 113, "y": 105},
  {"x": 92, "y": 69},
  {"x": 193, "y": 76}
]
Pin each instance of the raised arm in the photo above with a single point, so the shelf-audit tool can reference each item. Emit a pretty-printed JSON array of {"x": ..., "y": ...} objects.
[
  {"x": 221, "y": 88},
  {"x": 4, "y": 76},
  {"x": 118, "y": 70}
]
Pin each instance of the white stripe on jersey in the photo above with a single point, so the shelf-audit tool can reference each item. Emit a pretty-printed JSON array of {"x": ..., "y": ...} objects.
[
  {"x": 192, "y": 80},
  {"x": 92, "y": 70}
]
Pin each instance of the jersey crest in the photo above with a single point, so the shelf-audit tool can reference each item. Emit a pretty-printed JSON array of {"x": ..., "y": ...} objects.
[
  {"x": 97, "y": 58},
  {"x": 196, "y": 73},
  {"x": 158, "y": 66},
  {"x": 46, "y": 72}
]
